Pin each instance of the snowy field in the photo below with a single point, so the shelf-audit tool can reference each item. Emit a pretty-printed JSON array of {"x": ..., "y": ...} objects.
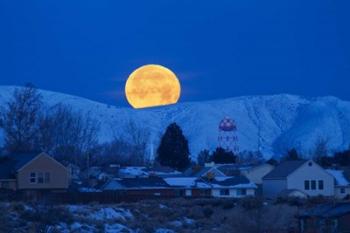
[{"x": 167, "y": 216}]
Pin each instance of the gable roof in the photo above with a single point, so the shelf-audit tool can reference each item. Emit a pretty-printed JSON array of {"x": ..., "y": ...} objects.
[
  {"x": 136, "y": 183},
  {"x": 236, "y": 181},
  {"x": 200, "y": 171},
  {"x": 284, "y": 169},
  {"x": 11, "y": 163},
  {"x": 339, "y": 177}
]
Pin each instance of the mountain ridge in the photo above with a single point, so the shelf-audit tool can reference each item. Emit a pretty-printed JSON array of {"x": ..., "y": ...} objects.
[{"x": 275, "y": 122}]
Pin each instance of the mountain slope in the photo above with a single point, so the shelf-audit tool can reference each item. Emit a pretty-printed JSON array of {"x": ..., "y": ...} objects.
[{"x": 278, "y": 122}]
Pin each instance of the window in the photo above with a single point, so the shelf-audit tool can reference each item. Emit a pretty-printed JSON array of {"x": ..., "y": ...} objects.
[
  {"x": 307, "y": 185},
  {"x": 313, "y": 185},
  {"x": 342, "y": 190},
  {"x": 47, "y": 177},
  {"x": 224, "y": 192},
  {"x": 320, "y": 184},
  {"x": 32, "y": 177},
  {"x": 241, "y": 192},
  {"x": 40, "y": 178}
]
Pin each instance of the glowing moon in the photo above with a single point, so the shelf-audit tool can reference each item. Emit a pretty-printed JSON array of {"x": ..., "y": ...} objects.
[{"x": 152, "y": 85}]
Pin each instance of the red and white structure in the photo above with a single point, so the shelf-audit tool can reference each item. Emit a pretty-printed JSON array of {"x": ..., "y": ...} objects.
[{"x": 228, "y": 139}]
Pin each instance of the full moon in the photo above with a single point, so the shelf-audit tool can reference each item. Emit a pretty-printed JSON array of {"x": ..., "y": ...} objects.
[{"x": 152, "y": 85}]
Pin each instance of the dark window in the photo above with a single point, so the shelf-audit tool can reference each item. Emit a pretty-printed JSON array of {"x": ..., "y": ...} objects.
[
  {"x": 47, "y": 177},
  {"x": 40, "y": 178},
  {"x": 224, "y": 192},
  {"x": 307, "y": 185},
  {"x": 320, "y": 184},
  {"x": 313, "y": 185},
  {"x": 342, "y": 190},
  {"x": 32, "y": 177},
  {"x": 242, "y": 192}
]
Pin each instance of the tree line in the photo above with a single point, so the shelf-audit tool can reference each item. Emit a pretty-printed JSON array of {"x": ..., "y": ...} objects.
[{"x": 30, "y": 126}]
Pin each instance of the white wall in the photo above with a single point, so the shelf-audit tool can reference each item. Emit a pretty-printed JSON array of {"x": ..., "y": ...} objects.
[
  {"x": 233, "y": 193},
  {"x": 311, "y": 171}
]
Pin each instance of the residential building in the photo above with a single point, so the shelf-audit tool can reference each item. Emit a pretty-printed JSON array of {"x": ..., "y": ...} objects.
[
  {"x": 305, "y": 176},
  {"x": 232, "y": 187},
  {"x": 342, "y": 185},
  {"x": 208, "y": 171},
  {"x": 33, "y": 172},
  {"x": 140, "y": 186}
]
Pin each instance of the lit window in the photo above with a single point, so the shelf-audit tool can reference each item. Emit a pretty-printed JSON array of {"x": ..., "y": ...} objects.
[
  {"x": 32, "y": 177},
  {"x": 313, "y": 185},
  {"x": 47, "y": 177},
  {"x": 40, "y": 178},
  {"x": 307, "y": 185},
  {"x": 320, "y": 184}
]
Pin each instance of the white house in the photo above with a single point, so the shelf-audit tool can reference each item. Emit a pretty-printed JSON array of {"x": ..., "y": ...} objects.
[
  {"x": 304, "y": 176},
  {"x": 232, "y": 187},
  {"x": 223, "y": 187},
  {"x": 342, "y": 185}
]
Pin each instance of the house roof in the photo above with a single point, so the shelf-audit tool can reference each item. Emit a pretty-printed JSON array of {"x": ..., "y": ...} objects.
[
  {"x": 236, "y": 182},
  {"x": 327, "y": 210},
  {"x": 339, "y": 177},
  {"x": 284, "y": 169},
  {"x": 136, "y": 183},
  {"x": 186, "y": 182},
  {"x": 11, "y": 163},
  {"x": 196, "y": 171}
]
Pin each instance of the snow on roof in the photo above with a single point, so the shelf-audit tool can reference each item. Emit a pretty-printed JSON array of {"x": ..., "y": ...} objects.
[
  {"x": 338, "y": 176},
  {"x": 222, "y": 182},
  {"x": 232, "y": 182},
  {"x": 133, "y": 171},
  {"x": 181, "y": 181},
  {"x": 186, "y": 182}
]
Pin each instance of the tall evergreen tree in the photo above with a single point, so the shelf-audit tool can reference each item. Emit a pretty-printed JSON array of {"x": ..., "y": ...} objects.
[{"x": 173, "y": 149}]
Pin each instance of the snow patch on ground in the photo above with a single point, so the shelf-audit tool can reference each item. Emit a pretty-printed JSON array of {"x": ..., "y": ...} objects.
[
  {"x": 164, "y": 230},
  {"x": 101, "y": 214}
]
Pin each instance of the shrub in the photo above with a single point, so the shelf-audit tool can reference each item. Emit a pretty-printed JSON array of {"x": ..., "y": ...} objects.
[
  {"x": 251, "y": 203},
  {"x": 208, "y": 212}
]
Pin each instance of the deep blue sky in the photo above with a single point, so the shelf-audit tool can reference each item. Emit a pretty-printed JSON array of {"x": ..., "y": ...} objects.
[{"x": 218, "y": 48}]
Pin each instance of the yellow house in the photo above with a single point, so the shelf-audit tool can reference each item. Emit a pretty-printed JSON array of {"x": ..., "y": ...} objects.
[{"x": 33, "y": 172}]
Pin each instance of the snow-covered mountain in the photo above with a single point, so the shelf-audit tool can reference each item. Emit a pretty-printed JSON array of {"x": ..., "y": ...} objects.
[{"x": 278, "y": 122}]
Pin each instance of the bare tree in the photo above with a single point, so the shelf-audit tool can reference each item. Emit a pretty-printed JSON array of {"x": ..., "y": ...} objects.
[
  {"x": 20, "y": 120},
  {"x": 129, "y": 147},
  {"x": 321, "y": 148},
  {"x": 203, "y": 157},
  {"x": 67, "y": 134}
]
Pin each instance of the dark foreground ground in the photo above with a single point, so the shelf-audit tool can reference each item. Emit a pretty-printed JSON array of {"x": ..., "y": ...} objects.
[{"x": 153, "y": 216}]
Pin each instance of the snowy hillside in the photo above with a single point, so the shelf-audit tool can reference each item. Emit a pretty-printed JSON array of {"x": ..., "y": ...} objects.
[{"x": 279, "y": 122}]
